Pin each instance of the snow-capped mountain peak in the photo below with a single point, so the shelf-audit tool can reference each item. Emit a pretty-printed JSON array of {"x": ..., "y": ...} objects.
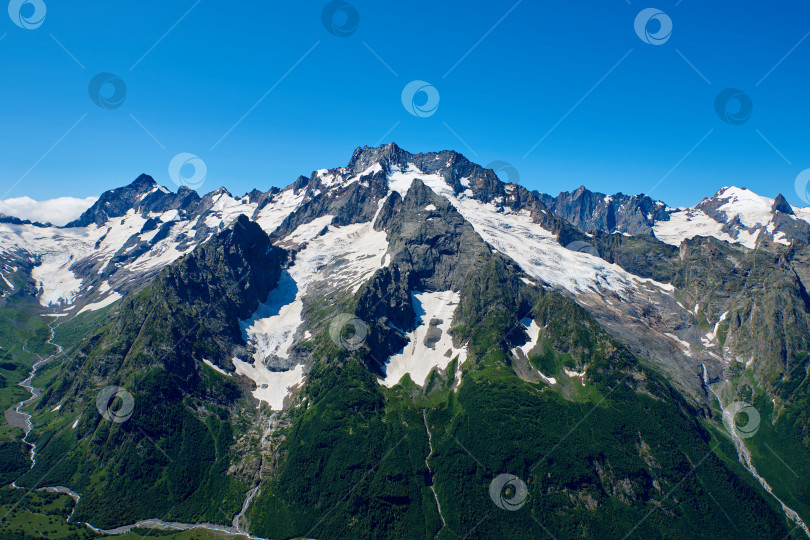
[
  {"x": 730, "y": 202},
  {"x": 733, "y": 214},
  {"x": 738, "y": 215}
]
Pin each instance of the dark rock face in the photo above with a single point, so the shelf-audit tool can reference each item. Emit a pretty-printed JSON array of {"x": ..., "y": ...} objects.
[
  {"x": 434, "y": 333},
  {"x": 17, "y": 221},
  {"x": 765, "y": 302},
  {"x": 432, "y": 248},
  {"x": 237, "y": 268},
  {"x": 790, "y": 227},
  {"x": 591, "y": 211},
  {"x": 638, "y": 214},
  {"x": 436, "y": 246},
  {"x": 389, "y": 209},
  {"x": 780, "y": 204},
  {"x": 365, "y": 157},
  {"x": 640, "y": 255},
  {"x": 116, "y": 202}
]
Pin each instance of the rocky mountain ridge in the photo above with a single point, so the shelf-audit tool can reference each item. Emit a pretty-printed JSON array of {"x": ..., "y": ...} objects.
[
  {"x": 408, "y": 279},
  {"x": 736, "y": 215}
]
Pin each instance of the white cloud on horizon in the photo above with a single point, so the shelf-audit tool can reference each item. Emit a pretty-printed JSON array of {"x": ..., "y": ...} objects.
[{"x": 58, "y": 211}]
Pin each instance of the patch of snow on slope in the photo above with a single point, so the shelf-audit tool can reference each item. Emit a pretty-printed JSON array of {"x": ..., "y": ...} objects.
[
  {"x": 418, "y": 359},
  {"x": 225, "y": 209},
  {"x": 272, "y": 387},
  {"x": 400, "y": 181},
  {"x": 282, "y": 205},
  {"x": 717, "y": 325},
  {"x": 802, "y": 212},
  {"x": 272, "y": 327},
  {"x": 573, "y": 374},
  {"x": 687, "y": 223},
  {"x": 375, "y": 168},
  {"x": 113, "y": 297},
  {"x": 308, "y": 231},
  {"x": 118, "y": 231},
  {"x": 166, "y": 251},
  {"x": 342, "y": 257},
  {"x": 541, "y": 256},
  {"x": 781, "y": 238},
  {"x": 58, "y": 283},
  {"x": 707, "y": 339},
  {"x": 682, "y": 343},
  {"x": 216, "y": 368},
  {"x": 533, "y": 329},
  {"x": 327, "y": 179},
  {"x": 168, "y": 215}
]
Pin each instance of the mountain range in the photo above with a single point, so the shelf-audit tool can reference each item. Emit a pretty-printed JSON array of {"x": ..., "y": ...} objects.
[{"x": 409, "y": 347}]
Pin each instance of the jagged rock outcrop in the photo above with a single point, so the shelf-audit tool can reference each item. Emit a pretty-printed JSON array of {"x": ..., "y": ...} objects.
[{"x": 591, "y": 211}]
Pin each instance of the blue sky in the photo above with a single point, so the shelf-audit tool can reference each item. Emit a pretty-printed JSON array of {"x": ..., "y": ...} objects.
[{"x": 612, "y": 112}]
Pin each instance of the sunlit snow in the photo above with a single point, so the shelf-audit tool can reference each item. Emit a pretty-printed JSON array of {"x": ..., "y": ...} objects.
[
  {"x": 417, "y": 358},
  {"x": 533, "y": 329},
  {"x": 343, "y": 257},
  {"x": 110, "y": 299}
]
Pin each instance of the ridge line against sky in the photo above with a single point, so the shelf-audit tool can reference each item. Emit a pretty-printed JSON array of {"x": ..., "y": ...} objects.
[
  {"x": 569, "y": 95},
  {"x": 62, "y": 210}
]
